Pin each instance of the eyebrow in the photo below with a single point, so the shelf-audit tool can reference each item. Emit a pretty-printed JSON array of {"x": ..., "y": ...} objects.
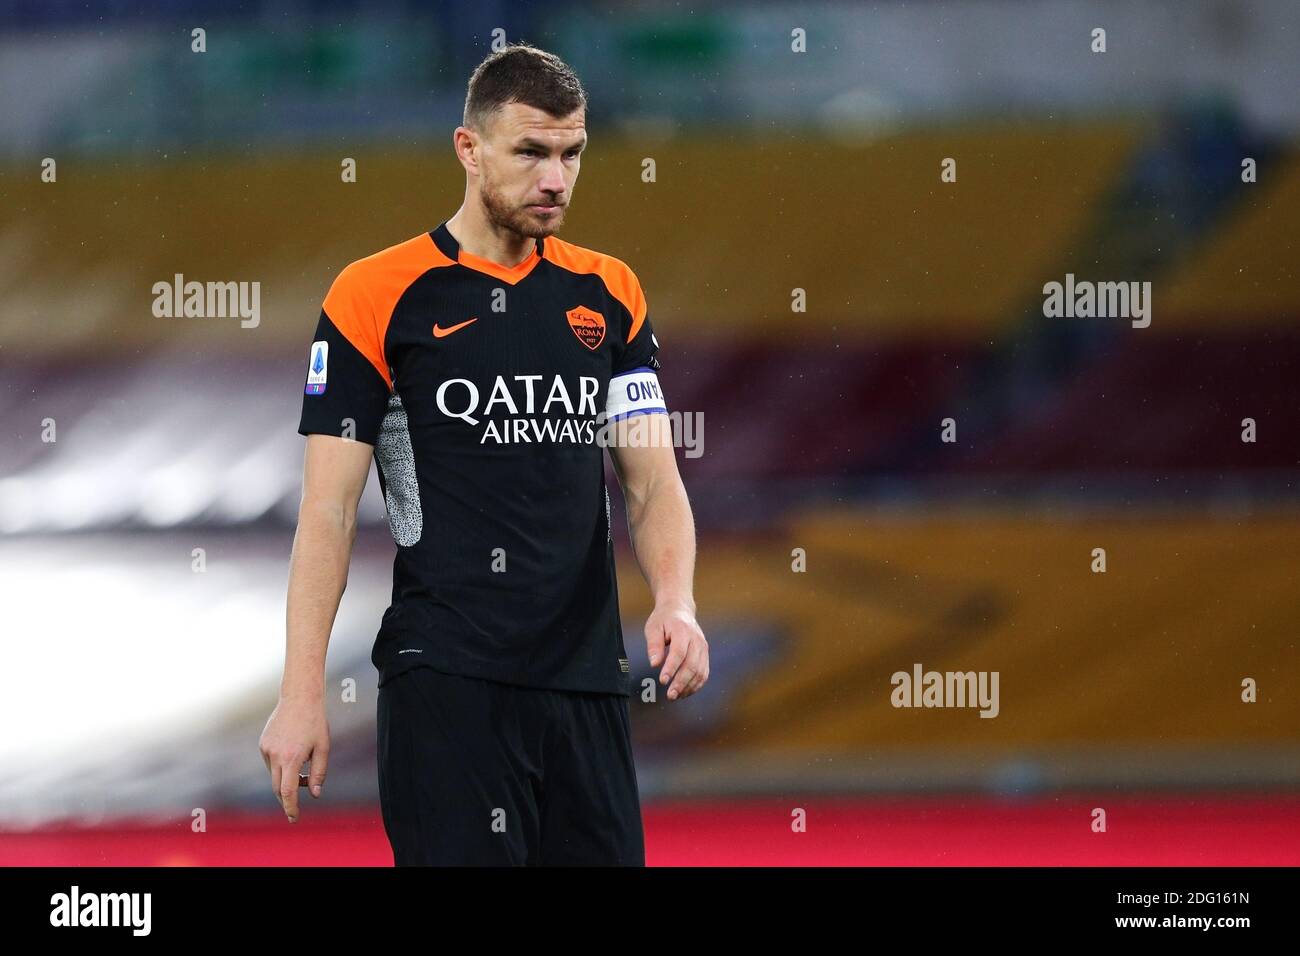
[{"x": 538, "y": 144}]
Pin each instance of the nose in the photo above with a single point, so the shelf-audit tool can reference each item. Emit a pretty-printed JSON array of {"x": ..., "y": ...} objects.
[{"x": 553, "y": 179}]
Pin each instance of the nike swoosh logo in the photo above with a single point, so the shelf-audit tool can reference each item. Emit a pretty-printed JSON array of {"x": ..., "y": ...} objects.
[{"x": 439, "y": 332}]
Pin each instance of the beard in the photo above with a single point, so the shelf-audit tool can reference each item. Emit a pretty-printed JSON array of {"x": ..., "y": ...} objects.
[{"x": 516, "y": 219}]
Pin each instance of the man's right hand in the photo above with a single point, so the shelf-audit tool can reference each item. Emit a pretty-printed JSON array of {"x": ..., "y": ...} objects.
[{"x": 296, "y": 732}]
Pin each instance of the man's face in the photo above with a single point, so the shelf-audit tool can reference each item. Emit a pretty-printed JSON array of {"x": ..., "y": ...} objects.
[{"x": 528, "y": 165}]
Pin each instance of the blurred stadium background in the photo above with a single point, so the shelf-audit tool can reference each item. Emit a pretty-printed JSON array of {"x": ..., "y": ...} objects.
[{"x": 136, "y": 688}]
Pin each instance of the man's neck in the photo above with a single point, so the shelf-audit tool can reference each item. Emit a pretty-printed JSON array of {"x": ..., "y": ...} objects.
[{"x": 477, "y": 236}]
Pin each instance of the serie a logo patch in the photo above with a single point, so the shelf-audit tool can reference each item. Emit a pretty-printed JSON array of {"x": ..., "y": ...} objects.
[{"x": 316, "y": 368}]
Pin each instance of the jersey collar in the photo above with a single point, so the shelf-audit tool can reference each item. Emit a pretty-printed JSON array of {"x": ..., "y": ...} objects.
[{"x": 449, "y": 247}]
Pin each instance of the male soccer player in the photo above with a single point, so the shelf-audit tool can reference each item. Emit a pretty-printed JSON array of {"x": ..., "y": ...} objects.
[{"x": 480, "y": 364}]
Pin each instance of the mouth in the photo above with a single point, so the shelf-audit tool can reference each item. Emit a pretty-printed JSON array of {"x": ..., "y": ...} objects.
[{"x": 546, "y": 208}]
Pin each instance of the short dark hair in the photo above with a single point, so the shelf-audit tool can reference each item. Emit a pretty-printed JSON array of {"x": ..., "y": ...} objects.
[{"x": 520, "y": 73}]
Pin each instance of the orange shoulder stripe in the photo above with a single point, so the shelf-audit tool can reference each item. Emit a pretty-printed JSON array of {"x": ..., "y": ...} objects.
[
  {"x": 360, "y": 303},
  {"x": 615, "y": 273}
]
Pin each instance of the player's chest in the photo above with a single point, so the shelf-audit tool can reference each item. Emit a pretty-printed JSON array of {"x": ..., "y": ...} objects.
[{"x": 503, "y": 350}]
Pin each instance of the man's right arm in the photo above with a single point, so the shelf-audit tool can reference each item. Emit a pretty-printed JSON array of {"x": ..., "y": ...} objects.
[{"x": 334, "y": 475}]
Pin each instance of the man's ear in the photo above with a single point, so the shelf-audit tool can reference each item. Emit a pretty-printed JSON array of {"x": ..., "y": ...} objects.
[{"x": 463, "y": 141}]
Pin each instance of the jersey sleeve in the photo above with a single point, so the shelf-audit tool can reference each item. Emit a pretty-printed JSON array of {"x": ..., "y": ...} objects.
[
  {"x": 634, "y": 383},
  {"x": 348, "y": 381},
  {"x": 640, "y": 347}
]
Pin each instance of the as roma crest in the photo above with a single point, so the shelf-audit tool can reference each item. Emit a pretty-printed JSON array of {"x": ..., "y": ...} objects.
[{"x": 588, "y": 325}]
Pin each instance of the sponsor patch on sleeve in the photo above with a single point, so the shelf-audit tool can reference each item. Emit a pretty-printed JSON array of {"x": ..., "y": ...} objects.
[
  {"x": 634, "y": 393},
  {"x": 316, "y": 369}
]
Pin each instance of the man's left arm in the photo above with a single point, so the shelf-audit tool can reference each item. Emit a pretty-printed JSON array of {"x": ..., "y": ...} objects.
[{"x": 663, "y": 538}]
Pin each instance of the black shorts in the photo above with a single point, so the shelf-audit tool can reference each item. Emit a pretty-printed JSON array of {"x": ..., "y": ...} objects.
[{"x": 476, "y": 772}]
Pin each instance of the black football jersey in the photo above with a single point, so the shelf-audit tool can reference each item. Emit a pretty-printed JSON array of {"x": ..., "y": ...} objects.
[{"x": 484, "y": 390}]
